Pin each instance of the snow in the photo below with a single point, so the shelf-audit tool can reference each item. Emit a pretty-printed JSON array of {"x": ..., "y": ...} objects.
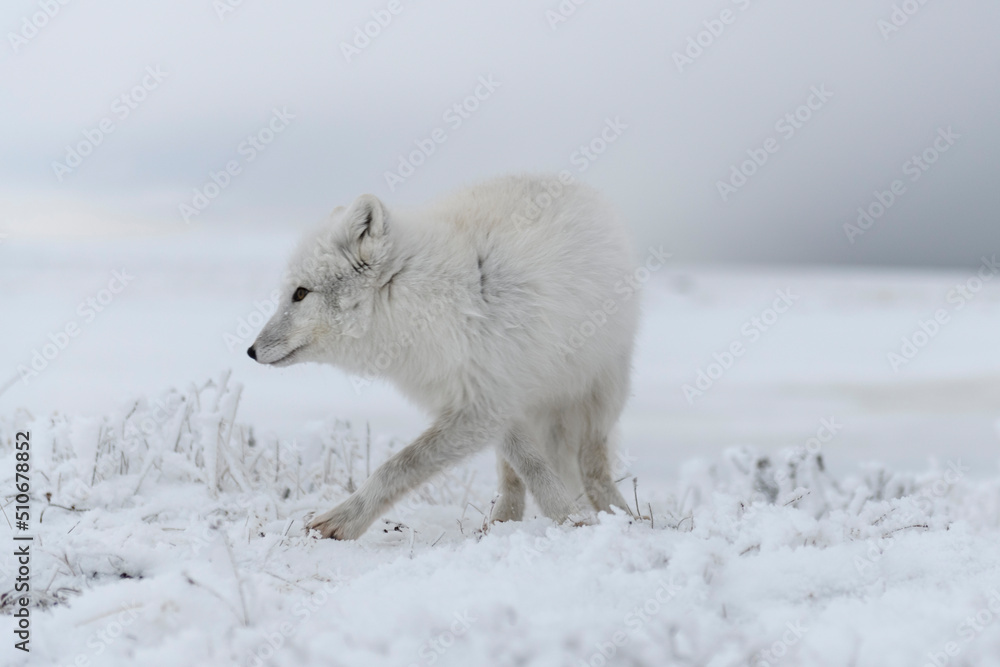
[{"x": 812, "y": 507}]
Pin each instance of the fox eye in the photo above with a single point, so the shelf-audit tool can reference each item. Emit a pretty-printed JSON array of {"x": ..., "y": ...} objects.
[{"x": 300, "y": 294}]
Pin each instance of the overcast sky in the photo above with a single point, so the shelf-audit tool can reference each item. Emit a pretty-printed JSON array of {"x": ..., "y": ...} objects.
[{"x": 684, "y": 95}]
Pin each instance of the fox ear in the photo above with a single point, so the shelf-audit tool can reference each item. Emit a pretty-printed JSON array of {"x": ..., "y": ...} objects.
[{"x": 366, "y": 218}]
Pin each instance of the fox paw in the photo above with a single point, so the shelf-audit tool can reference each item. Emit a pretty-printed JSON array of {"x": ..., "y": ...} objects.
[
  {"x": 581, "y": 519},
  {"x": 340, "y": 523},
  {"x": 507, "y": 510}
]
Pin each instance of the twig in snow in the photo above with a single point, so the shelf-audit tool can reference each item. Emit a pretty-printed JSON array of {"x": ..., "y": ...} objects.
[
  {"x": 109, "y": 613},
  {"x": 239, "y": 580},
  {"x": 224, "y": 601},
  {"x": 879, "y": 520},
  {"x": 51, "y": 581},
  {"x": 349, "y": 462},
  {"x": 135, "y": 406},
  {"x": 466, "y": 507},
  {"x": 97, "y": 454},
  {"x": 488, "y": 516},
  {"x": 916, "y": 525},
  {"x": 298, "y": 477},
  {"x": 468, "y": 488},
  {"x": 796, "y": 499},
  {"x": 328, "y": 463},
  {"x": 683, "y": 519},
  {"x": 41, "y": 515},
  {"x": 256, "y": 460},
  {"x": 277, "y": 459},
  {"x": 65, "y": 559},
  {"x": 289, "y": 582},
  {"x": 635, "y": 492},
  {"x": 151, "y": 460}
]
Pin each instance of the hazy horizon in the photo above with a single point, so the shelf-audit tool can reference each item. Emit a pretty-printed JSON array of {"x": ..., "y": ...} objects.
[{"x": 825, "y": 107}]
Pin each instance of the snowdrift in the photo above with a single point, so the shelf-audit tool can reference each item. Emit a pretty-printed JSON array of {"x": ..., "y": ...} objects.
[{"x": 169, "y": 532}]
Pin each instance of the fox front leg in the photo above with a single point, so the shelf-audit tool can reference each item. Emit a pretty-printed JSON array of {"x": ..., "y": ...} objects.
[{"x": 449, "y": 440}]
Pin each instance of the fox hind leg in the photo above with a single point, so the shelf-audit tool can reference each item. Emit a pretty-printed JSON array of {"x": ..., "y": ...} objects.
[
  {"x": 510, "y": 506},
  {"x": 596, "y": 470},
  {"x": 531, "y": 465},
  {"x": 593, "y": 421}
]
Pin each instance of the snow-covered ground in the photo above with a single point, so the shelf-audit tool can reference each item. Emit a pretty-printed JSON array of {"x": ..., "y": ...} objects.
[{"x": 812, "y": 505}]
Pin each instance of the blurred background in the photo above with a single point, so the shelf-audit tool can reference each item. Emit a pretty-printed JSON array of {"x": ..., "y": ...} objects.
[
  {"x": 694, "y": 86},
  {"x": 844, "y": 151}
]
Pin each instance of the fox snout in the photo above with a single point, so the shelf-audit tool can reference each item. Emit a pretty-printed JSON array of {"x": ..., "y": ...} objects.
[{"x": 277, "y": 345}]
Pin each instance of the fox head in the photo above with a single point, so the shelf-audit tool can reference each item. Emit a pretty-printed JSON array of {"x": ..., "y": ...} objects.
[{"x": 331, "y": 287}]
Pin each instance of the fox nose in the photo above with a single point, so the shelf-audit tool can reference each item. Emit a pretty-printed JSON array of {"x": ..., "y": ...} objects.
[{"x": 252, "y": 353}]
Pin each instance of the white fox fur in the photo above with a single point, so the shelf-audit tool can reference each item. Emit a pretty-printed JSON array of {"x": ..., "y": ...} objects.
[{"x": 505, "y": 310}]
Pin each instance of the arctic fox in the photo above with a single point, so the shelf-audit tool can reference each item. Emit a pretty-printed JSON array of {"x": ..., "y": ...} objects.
[{"x": 507, "y": 310}]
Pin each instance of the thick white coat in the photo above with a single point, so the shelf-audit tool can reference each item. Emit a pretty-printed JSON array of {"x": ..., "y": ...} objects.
[{"x": 507, "y": 310}]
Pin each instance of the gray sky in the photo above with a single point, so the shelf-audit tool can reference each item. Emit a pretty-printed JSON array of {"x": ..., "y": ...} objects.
[{"x": 678, "y": 126}]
